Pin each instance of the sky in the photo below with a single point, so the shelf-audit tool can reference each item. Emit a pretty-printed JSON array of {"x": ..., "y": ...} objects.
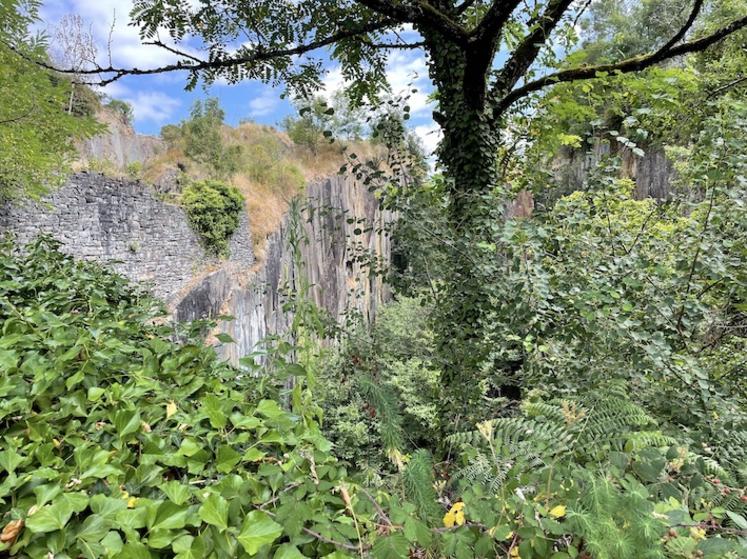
[{"x": 161, "y": 99}]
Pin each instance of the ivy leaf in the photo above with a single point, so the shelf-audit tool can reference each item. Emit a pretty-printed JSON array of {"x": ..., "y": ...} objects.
[
  {"x": 50, "y": 518},
  {"x": 212, "y": 407},
  {"x": 215, "y": 511},
  {"x": 257, "y": 531},
  {"x": 288, "y": 551},
  {"x": 126, "y": 422}
]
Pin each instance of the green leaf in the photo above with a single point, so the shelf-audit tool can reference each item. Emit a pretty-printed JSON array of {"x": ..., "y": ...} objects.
[
  {"x": 257, "y": 531},
  {"x": 395, "y": 546},
  {"x": 225, "y": 338},
  {"x": 169, "y": 516},
  {"x": 127, "y": 422},
  {"x": 213, "y": 408},
  {"x": 226, "y": 459},
  {"x": 737, "y": 519},
  {"x": 288, "y": 551},
  {"x": 176, "y": 491},
  {"x": 215, "y": 511},
  {"x": 50, "y": 518}
]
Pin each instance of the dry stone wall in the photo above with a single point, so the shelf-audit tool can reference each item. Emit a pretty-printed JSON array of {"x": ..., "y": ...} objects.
[{"x": 124, "y": 224}]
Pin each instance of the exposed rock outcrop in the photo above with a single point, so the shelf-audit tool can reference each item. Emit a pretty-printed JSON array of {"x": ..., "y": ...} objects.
[
  {"x": 652, "y": 173},
  {"x": 343, "y": 239},
  {"x": 120, "y": 145}
]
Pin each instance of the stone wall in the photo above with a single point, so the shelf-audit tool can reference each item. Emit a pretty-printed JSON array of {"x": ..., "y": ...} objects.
[{"x": 126, "y": 225}]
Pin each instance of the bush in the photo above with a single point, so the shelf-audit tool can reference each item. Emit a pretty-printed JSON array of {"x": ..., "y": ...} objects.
[
  {"x": 117, "y": 442},
  {"x": 214, "y": 209}
]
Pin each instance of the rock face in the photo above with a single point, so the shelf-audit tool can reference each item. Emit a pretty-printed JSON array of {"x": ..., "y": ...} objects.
[
  {"x": 126, "y": 225},
  {"x": 652, "y": 173},
  {"x": 339, "y": 239},
  {"x": 119, "y": 144}
]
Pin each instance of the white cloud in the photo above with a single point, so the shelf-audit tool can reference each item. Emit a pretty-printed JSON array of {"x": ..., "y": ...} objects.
[
  {"x": 149, "y": 106},
  {"x": 112, "y": 17},
  {"x": 430, "y": 135},
  {"x": 153, "y": 106},
  {"x": 405, "y": 71},
  {"x": 264, "y": 104}
]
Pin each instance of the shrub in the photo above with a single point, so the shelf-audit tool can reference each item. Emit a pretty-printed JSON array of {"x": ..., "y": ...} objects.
[
  {"x": 214, "y": 209},
  {"x": 117, "y": 442}
]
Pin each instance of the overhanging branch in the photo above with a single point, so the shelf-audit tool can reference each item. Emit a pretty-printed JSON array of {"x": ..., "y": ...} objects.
[
  {"x": 634, "y": 64},
  {"x": 259, "y": 54},
  {"x": 525, "y": 54}
]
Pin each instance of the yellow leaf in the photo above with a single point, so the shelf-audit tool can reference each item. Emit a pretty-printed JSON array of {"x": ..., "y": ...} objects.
[
  {"x": 515, "y": 553},
  {"x": 170, "y": 409},
  {"x": 557, "y": 511},
  {"x": 131, "y": 502}
]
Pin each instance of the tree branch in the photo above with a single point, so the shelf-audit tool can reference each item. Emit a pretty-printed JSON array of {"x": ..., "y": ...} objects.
[
  {"x": 173, "y": 50},
  {"x": 494, "y": 19},
  {"x": 697, "y": 5},
  {"x": 258, "y": 55},
  {"x": 634, "y": 64},
  {"x": 526, "y": 53},
  {"x": 719, "y": 90},
  {"x": 423, "y": 13}
]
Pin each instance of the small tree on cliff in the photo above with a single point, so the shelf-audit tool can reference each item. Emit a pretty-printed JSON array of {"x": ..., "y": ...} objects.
[{"x": 276, "y": 41}]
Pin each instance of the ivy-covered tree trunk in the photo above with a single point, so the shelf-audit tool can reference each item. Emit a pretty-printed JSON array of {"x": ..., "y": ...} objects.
[{"x": 469, "y": 153}]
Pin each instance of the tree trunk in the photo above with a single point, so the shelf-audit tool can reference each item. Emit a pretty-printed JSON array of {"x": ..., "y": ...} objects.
[
  {"x": 468, "y": 152},
  {"x": 70, "y": 102}
]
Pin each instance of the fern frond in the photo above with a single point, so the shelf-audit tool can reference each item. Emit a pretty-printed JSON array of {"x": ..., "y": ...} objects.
[{"x": 418, "y": 480}]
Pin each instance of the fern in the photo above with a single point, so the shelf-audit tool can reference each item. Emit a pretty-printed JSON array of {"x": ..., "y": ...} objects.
[
  {"x": 418, "y": 481},
  {"x": 386, "y": 404},
  {"x": 617, "y": 522}
]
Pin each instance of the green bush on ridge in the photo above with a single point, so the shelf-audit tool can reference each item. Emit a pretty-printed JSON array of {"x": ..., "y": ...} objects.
[{"x": 214, "y": 209}]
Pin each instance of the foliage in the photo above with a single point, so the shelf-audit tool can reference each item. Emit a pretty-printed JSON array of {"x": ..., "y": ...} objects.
[
  {"x": 591, "y": 474},
  {"x": 203, "y": 139},
  {"x": 379, "y": 391},
  {"x": 122, "y": 109},
  {"x": 117, "y": 442},
  {"x": 214, "y": 209},
  {"x": 36, "y": 135}
]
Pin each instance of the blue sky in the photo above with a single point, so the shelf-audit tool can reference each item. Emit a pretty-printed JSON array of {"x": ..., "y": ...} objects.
[{"x": 161, "y": 99}]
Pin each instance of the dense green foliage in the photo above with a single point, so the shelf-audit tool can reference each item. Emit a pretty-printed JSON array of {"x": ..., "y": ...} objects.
[
  {"x": 201, "y": 138},
  {"x": 558, "y": 384},
  {"x": 36, "y": 134},
  {"x": 214, "y": 209},
  {"x": 116, "y": 442}
]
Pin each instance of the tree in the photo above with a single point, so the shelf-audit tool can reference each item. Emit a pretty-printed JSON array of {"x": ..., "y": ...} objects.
[
  {"x": 74, "y": 48},
  {"x": 274, "y": 41},
  {"x": 37, "y": 134},
  {"x": 203, "y": 138}
]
